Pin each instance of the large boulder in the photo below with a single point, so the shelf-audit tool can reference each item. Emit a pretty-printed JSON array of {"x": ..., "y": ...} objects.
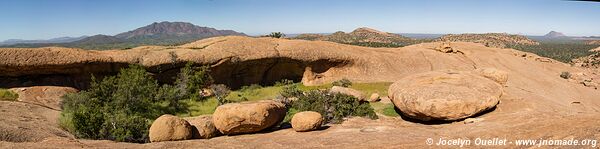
[
  {"x": 170, "y": 128},
  {"x": 306, "y": 121},
  {"x": 444, "y": 95},
  {"x": 202, "y": 127},
  {"x": 248, "y": 117},
  {"x": 348, "y": 91},
  {"x": 494, "y": 74}
]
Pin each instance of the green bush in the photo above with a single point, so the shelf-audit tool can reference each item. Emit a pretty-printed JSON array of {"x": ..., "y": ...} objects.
[
  {"x": 8, "y": 95},
  {"x": 283, "y": 82},
  {"x": 290, "y": 91},
  {"x": 122, "y": 107},
  {"x": 343, "y": 83},
  {"x": 333, "y": 107}
]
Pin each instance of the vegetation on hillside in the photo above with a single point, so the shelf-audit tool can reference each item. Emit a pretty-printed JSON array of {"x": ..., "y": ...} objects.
[
  {"x": 8, "y": 95},
  {"x": 122, "y": 107},
  {"x": 563, "y": 52},
  {"x": 364, "y": 37}
]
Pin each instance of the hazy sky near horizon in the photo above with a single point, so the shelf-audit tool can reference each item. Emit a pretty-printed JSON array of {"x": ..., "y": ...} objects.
[{"x": 44, "y": 19}]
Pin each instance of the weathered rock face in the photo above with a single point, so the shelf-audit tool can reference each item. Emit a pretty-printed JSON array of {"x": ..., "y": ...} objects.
[
  {"x": 202, "y": 127},
  {"x": 170, "y": 128},
  {"x": 494, "y": 74},
  {"x": 46, "y": 96},
  {"x": 444, "y": 95},
  {"x": 306, "y": 121},
  {"x": 248, "y": 117},
  {"x": 348, "y": 91}
]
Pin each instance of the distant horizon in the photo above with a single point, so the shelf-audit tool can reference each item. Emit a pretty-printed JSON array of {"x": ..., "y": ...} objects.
[
  {"x": 42, "y": 20},
  {"x": 294, "y": 33}
]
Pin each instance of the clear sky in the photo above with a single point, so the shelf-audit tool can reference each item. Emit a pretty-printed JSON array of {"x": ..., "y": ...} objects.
[{"x": 43, "y": 19}]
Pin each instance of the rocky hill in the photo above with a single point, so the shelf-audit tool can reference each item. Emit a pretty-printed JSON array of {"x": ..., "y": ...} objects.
[
  {"x": 498, "y": 40},
  {"x": 593, "y": 42},
  {"x": 535, "y": 103},
  {"x": 361, "y": 36},
  {"x": 174, "y": 29}
]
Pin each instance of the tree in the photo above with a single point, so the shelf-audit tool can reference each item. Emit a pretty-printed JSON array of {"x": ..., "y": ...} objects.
[
  {"x": 221, "y": 92},
  {"x": 276, "y": 35}
]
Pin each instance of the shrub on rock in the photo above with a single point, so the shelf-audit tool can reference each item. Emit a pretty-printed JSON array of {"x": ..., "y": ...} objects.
[
  {"x": 333, "y": 107},
  {"x": 170, "y": 128},
  {"x": 203, "y": 127},
  {"x": 306, "y": 121},
  {"x": 248, "y": 117},
  {"x": 444, "y": 95}
]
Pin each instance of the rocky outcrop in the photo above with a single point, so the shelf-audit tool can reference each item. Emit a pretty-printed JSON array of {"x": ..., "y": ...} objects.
[
  {"x": 590, "y": 61},
  {"x": 359, "y": 35},
  {"x": 306, "y": 121},
  {"x": 169, "y": 128},
  {"x": 235, "y": 61},
  {"x": 248, "y": 117},
  {"x": 444, "y": 95},
  {"x": 446, "y": 48},
  {"x": 202, "y": 127},
  {"x": 347, "y": 91}
]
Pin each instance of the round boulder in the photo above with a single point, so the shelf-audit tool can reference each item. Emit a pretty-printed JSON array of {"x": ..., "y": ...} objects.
[
  {"x": 248, "y": 117},
  {"x": 444, "y": 95},
  {"x": 348, "y": 91},
  {"x": 202, "y": 127},
  {"x": 306, "y": 121},
  {"x": 169, "y": 128}
]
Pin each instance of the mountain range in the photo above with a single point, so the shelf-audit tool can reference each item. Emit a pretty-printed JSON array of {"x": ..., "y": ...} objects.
[
  {"x": 53, "y": 40},
  {"x": 158, "y": 33}
]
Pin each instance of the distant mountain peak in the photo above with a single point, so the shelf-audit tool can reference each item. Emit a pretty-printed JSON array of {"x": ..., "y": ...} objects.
[
  {"x": 176, "y": 29},
  {"x": 554, "y": 34}
]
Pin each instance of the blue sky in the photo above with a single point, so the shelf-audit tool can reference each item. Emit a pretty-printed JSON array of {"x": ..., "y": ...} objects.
[{"x": 43, "y": 19}]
